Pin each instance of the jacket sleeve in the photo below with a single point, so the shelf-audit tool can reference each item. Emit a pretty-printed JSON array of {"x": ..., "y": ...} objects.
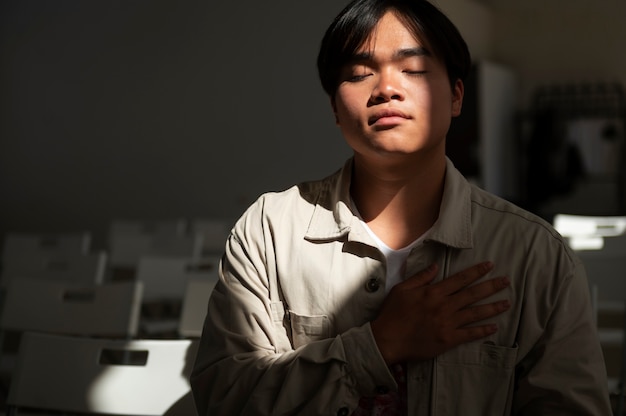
[
  {"x": 246, "y": 363},
  {"x": 564, "y": 373}
]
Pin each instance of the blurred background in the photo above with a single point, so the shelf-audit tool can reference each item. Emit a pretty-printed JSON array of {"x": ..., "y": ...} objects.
[
  {"x": 158, "y": 109},
  {"x": 134, "y": 133}
]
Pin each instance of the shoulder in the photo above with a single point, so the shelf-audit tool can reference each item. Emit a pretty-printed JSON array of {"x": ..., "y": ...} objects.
[
  {"x": 517, "y": 228},
  {"x": 491, "y": 207},
  {"x": 295, "y": 204}
]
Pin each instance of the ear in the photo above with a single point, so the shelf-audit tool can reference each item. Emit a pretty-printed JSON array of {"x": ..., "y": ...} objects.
[
  {"x": 457, "y": 97},
  {"x": 333, "y": 105}
]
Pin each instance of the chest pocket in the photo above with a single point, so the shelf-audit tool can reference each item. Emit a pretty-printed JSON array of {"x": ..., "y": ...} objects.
[
  {"x": 475, "y": 379},
  {"x": 305, "y": 329}
]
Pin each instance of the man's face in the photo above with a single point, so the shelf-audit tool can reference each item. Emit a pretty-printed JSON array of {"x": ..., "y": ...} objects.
[{"x": 394, "y": 99}]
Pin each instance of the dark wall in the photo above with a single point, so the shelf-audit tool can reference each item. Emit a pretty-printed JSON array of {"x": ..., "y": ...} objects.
[{"x": 157, "y": 109}]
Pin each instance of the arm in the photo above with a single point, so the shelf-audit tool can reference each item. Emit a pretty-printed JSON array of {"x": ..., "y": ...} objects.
[{"x": 246, "y": 364}]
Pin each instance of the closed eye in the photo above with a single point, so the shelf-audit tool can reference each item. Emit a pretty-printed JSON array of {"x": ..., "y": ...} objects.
[
  {"x": 356, "y": 71},
  {"x": 416, "y": 73},
  {"x": 357, "y": 78}
]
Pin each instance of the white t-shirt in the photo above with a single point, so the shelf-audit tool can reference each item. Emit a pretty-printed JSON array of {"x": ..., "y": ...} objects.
[{"x": 396, "y": 259}]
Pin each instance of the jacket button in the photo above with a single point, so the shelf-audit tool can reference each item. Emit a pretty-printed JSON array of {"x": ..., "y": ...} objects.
[
  {"x": 372, "y": 285},
  {"x": 344, "y": 411},
  {"x": 382, "y": 389}
]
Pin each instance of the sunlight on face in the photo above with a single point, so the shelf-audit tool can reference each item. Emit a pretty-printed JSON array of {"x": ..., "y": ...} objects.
[{"x": 394, "y": 96}]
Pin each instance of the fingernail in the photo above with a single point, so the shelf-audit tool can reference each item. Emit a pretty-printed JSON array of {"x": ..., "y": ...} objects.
[
  {"x": 506, "y": 281},
  {"x": 488, "y": 265}
]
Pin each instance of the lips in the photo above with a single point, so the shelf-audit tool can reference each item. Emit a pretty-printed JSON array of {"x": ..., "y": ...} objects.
[{"x": 386, "y": 115}]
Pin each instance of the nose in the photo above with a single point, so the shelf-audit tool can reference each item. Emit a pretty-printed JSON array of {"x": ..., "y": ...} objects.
[{"x": 387, "y": 88}]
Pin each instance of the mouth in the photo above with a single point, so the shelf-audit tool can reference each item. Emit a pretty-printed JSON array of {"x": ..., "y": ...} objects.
[{"x": 389, "y": 116}]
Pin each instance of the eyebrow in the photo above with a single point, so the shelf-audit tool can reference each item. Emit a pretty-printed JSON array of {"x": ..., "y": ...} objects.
[{"x": 399, "y": 54}]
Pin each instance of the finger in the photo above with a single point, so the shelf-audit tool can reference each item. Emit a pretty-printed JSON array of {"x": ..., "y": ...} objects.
[
  {"x": 465, "y": 277},
  {"x": 478, "y": 313},
  {"x": 478, "y": 292},
  {"x": 422, "y": 278}
]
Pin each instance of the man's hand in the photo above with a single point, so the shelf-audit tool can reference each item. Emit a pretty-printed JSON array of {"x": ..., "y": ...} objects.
[{"x": 419, "y": 320}]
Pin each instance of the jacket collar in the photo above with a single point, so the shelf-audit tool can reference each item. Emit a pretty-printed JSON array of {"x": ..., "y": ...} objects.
[{"x": 334, "y": 219}]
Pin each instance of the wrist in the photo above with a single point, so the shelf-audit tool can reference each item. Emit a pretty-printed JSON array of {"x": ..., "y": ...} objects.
[{"x": 385, "y": 346}]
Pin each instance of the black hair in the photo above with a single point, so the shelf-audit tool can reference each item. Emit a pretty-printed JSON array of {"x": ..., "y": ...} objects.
[{"x": 353, "y": 25}]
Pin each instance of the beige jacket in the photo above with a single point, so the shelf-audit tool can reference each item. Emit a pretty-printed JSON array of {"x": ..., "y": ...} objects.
[{"x": 288, "y": 332}]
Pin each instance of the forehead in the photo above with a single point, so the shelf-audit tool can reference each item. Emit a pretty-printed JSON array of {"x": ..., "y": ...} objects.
[{"x": 392, "y": 31}]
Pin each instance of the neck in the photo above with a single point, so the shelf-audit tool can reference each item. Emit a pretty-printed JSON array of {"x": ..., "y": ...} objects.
[{"x": 399, "y": 202}]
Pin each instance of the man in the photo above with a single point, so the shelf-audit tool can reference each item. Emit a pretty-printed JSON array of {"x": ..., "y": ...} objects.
[{"x": 394, "y": 286}]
